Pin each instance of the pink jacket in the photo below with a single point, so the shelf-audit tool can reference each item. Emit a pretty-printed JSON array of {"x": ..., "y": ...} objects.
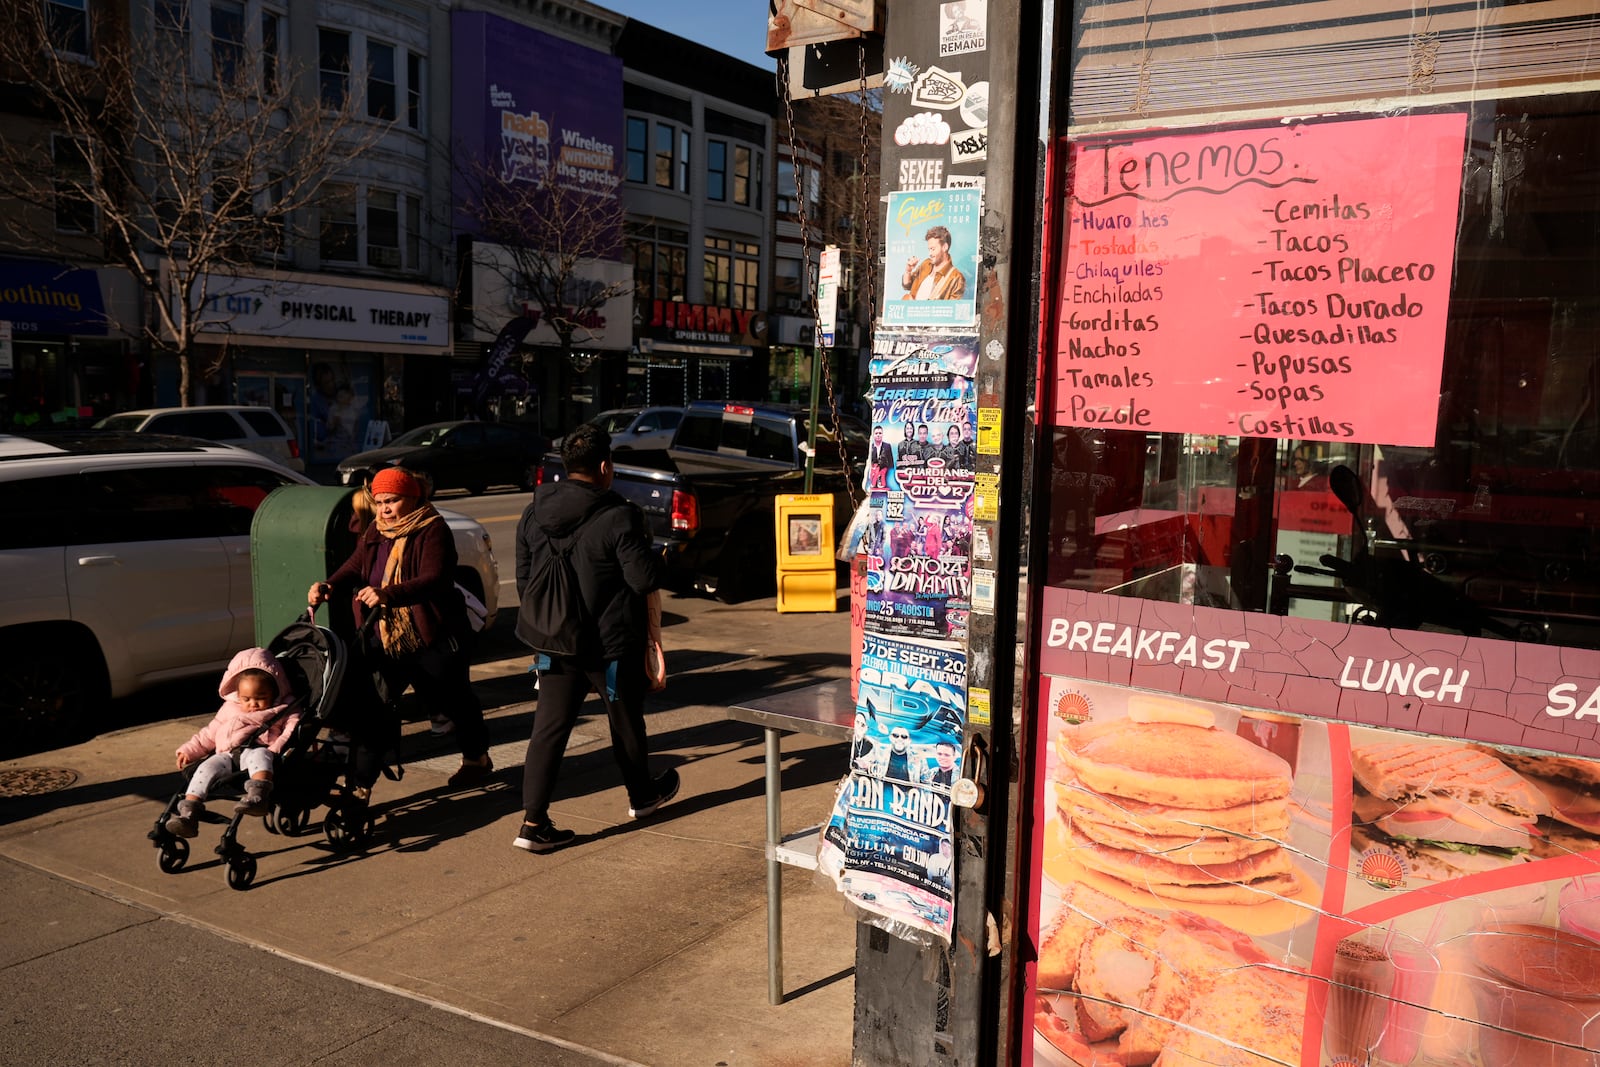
[{"x": 235, "y": 725}]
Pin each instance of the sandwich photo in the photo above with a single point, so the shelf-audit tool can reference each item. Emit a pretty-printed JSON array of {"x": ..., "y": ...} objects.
[
  {"x": 1180, "y": 810},
  {"x": 1572, "y": 787},
  {"x": 1447, "y": 810}
]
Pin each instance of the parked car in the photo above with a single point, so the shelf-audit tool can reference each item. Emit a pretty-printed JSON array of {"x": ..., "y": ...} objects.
[
  {"x": 457, "y": 455},
  {"x": 261, "y": 430},
  {"x": 126, "y": 561},
  {"x": 638, "y": 429},
  {"x": 708, "y": 499}
]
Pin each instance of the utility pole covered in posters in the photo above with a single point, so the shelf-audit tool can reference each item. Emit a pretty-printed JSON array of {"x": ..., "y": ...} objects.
[{"x": 954, "y": 368}]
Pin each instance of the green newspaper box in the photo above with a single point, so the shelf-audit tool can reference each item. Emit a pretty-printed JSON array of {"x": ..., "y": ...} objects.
[{"x": 299, "y": 535}]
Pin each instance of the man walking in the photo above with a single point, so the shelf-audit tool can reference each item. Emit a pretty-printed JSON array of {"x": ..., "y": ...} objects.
[{"x": 618, "y": 577}]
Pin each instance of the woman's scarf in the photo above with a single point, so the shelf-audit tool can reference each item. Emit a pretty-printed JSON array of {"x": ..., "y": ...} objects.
[{"x": 396, "y": 628}]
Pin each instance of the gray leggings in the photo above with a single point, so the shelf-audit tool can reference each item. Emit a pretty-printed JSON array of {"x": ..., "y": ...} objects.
[{"x": 220, "y": 765}]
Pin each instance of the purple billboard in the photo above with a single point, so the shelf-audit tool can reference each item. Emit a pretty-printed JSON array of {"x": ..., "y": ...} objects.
[{"x": 533, "y": 108}]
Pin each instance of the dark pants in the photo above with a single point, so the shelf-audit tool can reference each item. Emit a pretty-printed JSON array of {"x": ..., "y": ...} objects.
[
  {"x": 441, "y": 676},
  {"x": 562, "y": 691},
  {"x": 442, "y": 682}
]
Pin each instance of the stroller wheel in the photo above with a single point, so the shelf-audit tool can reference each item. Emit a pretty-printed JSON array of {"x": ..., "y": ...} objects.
[
  {"x": 241, "y": 872},
  {"x": 292, "y": 822},
  {"x": 347, "y": 827},
  {"x": 269, "y": 820},
  {"x": 174, "y": 854}
]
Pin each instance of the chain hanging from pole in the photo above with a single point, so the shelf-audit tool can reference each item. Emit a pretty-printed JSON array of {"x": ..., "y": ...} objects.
[{"x": 822, "y": 360}]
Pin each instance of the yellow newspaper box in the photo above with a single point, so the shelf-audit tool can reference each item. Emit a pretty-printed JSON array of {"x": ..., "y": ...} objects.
[{"x": 805, "y": 553}]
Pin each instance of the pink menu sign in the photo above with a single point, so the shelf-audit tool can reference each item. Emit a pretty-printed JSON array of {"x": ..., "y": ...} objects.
[{"x": 1289, "y": 280}]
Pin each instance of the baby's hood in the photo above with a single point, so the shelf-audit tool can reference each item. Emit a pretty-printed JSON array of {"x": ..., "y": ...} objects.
[{"x": 256, "y": 659}]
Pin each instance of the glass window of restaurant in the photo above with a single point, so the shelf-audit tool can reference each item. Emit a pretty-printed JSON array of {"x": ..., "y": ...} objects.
[
  {"x": 1313, "y": 734},
  {"x": 1482, "y": 520}
]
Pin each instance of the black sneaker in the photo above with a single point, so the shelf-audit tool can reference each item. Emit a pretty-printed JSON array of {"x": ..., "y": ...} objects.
[
  {"x": 542, "y": 838},
  {"x": 667, "y": 785}
]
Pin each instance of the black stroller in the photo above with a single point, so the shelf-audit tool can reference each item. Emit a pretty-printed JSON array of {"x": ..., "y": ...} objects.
[{"x": 313, "y": 768}]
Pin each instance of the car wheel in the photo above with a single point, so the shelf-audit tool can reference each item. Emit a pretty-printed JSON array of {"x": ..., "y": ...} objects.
[
  {"x": 477, "y": 488},
  {"x": 52, "y": 688}
]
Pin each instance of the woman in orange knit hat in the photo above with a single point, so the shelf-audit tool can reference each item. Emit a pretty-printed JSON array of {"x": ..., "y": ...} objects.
[{"x": 403, "y": 570}]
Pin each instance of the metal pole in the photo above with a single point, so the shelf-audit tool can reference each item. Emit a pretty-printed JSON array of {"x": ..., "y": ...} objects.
[
  {"x": 774, "y": 868},
  {"x": 816, "y": 387}
]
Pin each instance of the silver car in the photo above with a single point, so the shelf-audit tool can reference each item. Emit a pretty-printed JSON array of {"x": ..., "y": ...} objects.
[{"x": 126, "y": 561}]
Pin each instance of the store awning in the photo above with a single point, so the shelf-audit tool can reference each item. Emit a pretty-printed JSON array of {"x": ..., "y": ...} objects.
[{"x": 39, "y": 297}]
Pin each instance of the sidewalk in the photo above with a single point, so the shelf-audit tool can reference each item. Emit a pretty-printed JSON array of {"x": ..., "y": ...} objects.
[{"x": 644, "y": 942}]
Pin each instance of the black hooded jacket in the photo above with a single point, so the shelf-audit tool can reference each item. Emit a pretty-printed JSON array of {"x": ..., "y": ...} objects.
[{"x": 612, "y": 557}]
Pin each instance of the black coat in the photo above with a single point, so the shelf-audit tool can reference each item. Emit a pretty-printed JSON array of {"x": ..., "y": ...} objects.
[{"x": 612, "y": 556}]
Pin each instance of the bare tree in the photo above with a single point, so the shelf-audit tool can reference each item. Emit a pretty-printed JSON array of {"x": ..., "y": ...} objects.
[
  {"x": 550, "y": 226},
  {"x": 179, "y": 169}
]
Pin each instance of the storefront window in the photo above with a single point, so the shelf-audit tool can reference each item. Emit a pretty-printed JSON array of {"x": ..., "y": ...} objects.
[{"x": 1491, "y": 530}]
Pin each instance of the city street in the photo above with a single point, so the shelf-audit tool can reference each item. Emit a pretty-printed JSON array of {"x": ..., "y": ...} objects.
[{"x": 641, "y": 943}]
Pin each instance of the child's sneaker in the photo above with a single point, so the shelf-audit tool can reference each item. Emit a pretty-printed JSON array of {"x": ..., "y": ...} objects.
[
  {"x": 186, "y": 823},
  {"x": 542, "y": 838},
  {"x": 256, "y": 800}
]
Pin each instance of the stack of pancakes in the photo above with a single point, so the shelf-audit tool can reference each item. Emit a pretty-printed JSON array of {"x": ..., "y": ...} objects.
[{"x": 1183, "y": 811}]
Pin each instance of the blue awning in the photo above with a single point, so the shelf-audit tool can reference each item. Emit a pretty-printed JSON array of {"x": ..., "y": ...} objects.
[{"x": 38, "y": 297}]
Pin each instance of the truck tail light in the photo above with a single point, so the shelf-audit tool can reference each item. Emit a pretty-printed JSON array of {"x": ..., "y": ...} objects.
[
  {"x": 294, "y": 448},
  {"x": 685, "y": 512},
  {"x": 738, "y": 409}
]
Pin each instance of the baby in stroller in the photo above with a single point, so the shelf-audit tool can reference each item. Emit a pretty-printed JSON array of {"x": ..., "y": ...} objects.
[{"x": 258, "y": 716}]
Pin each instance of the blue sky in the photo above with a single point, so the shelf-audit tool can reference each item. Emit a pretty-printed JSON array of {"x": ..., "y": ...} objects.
[{"x": 737, "y": 27}]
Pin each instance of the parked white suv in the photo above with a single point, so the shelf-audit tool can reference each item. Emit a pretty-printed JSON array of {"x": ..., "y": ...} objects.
[
  {"x": 261, "y": 430},
  {"x": 125, "y": 561}
]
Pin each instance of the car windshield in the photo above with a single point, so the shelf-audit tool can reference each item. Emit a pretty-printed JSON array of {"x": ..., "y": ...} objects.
[
  {"x": 120, "y": 422},
  {"x": 422, "y": 436}
]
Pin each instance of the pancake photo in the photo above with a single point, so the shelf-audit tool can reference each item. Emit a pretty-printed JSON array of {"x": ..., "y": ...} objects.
[{"x": 1166, "y": 803}]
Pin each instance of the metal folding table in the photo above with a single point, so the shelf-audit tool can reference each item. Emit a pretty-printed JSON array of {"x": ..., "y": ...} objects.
[{"x": 822, "y": 710}]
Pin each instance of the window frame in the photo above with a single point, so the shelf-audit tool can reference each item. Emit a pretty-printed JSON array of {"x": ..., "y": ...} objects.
[
  {"x": 382, "y": 94},
  {"x": 416, "y": 75},
  {"x": 85, "y": 202},
  {"x": 335, "y": 77},
  {"x": 716, "y": 174},
  {"x": 370, "y": 229},
  {"x": 271, "y": 47},
  {"x": 232, "y": 52},
  {"x": 636, "y": 153},
  {"x": 663, "y": 164},
  {"x": 57, "y": 12},
  {"x": 335, "y": 195}
]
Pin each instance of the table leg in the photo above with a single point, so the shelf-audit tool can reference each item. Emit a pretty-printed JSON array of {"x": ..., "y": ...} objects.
[{"x": 774, "y": 766}]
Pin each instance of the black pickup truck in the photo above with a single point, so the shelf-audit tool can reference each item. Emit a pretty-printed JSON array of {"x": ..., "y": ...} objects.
[{"x": 708, "y": 497}]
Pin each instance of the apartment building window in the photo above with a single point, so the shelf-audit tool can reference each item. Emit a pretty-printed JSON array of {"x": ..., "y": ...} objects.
[
  {"x": 638, "y": 146},
  {"x": 340, "y": 231},
  {"x": 746, "y": 176},
  {"x": 413, "y": 90},
  {"x": 74, "y": 208},
  {"x": 171, "y": 16},
  {"x": 792, "y": 181},
  {"x": 665, "y": 138},
  {"x": 716, "y": 170},
  {"x": 380, "y": 80},
  {"x": 383, "y": 229},
  {"x": 660, "y": 259},
  {"x": 414, "y": 232},
  {"x": 274, "y": 224},
  {"x": 732, "y": 272},
  {"x": 333, "y": 65},
  {"x": 227, "y": 40},
  {"x": 788, "y": 288},
  {"x": 68, "y": 24},
  {"x": 271, "y": 42},
  {"x": 683, "y": 161}
]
